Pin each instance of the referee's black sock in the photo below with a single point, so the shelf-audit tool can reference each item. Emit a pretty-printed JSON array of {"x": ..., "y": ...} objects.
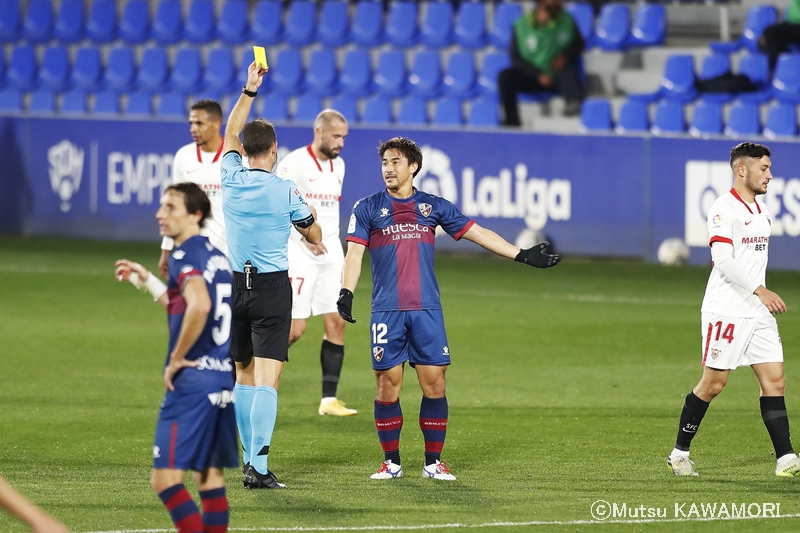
[
  {"x": 332, "y": 357},
  {"x": 694, "y": 409},
  {"x": 773, "y": 413}
]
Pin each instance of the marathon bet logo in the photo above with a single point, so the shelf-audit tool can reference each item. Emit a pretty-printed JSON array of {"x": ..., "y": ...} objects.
[{"x": 66, "y": 170}]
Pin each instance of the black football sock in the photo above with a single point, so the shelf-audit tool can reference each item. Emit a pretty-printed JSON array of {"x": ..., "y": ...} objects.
[
  {"x": 331, "y": 356},
  {"x": 694, "y": 409},
  {"x": 773, "y": 413}
]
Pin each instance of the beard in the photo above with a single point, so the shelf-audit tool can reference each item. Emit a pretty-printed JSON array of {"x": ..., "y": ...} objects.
[{"x": 328, "y": 151}]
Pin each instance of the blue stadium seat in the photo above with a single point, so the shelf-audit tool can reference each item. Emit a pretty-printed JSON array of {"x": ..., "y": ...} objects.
[
  {"x": 139, "y": 105},
  {"x": 102, "y": 24},
  {"x": 595, "y": 115},
  {"x": 493, "y": 63},
  {"x": 377, "y": 110},
  {"x": 583, "y": 15},
  {"x": 758, "y": 18},
  {"x": 208, "y": 95},
  {"x": 669, "y": 118},
  {"x": 707, "y": 119},
  {"x": 21, "y": 73},
  {"x": 425, "y": 77},
  {"x": 649, "y": 26},
  {"x": 459, "y": 76},
  {"x": 483, "y": 112},
  {"x": 168, "y": 22},
  {"x": 678, "y": 82},
  {"x": 301, "y": 21},
  {"x": 781, "y": 121},
  {"x": 744, "y": 119},
  {"x": 106, "y": 103},
  {"x": 38, "y": 25},
  {"x": 153, "y": 70},
  {"x": 54, "y": 70},
  {"x": 288, "y": 73},
  {"x": 10, "y": 18},
  {"x": 756, "y": 67},
  {"x": 120, "y": 70},
  {"x": 87, "y": 71},
  {"x": 187, "y": 71},
  {"x": 11, "y": 100},
  {"x": 401, "y": 24},
  {"x": 74, "y": 102},
  {"x": 307, "y": 109},
  {"x": 69, "y": 27},
  {"x": 786, "y": 78},
  {"x": 355, "y": 77},
  {"x": 321, "y": 72},
  {"x": 612, "y": 27},
  {"x": 334, "y": 22},
  {"x": 267, "y": 23},
  {"x": 436, "y": 29},
  {"x": 413, "y": 111},
  {"x": 134, "y": 26},
  {"x": 220, "y": 73},
  {"x": 447, "y": 112},
  {"x": 715, "y": 65},
  {"x": 232, "y": 24},
  {"x": 2, "y": 68},
  {"x": 470, "y": 28},
  {"x": 172, "y": 105},
  {"x": 505, "y": 14},
  {"x": 366, "y": 28},
  {"x": 347, "y": 105},
  {"x": 241, "y": 73},
  {"x": 42, "y": 101},
  {"x": 390, "y": 75},
  {"x": 275, "y": 107},
  {"x": 200, "y": 24},
  {"x": 632, "y": 117}
]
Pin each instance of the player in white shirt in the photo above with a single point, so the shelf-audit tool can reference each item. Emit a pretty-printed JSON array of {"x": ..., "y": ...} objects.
[
  {"x": 315, "y": 270},
  {"x": 737, "y": 326}
]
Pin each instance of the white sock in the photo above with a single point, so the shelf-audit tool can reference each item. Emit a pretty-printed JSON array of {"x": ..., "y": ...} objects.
[
  {"x": 782, "y": 460},
  {"x": 327, "y": 400},
  {"x": 678, "y": 453}
]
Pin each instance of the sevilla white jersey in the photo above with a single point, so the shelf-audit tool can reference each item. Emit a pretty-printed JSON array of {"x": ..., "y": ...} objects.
[
  {"x": 747, "y": 227},
  {"x": 321, "y": 185}
]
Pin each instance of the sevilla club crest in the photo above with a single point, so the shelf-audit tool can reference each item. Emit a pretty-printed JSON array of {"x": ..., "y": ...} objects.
[{"x": 425, "y": 209}]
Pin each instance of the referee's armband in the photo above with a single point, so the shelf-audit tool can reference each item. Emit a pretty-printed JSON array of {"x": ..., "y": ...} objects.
[{"x": 305, "y": 223}]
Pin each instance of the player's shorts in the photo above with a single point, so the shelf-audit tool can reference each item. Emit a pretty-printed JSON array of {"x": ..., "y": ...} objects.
[
  {"x": 315, "y": 288},
  {"x": 196, "y": 430},
  {"x": 731, "y": 342},
  {"x": 414, "y": 336},
  {"x": 262, "y": 317}
]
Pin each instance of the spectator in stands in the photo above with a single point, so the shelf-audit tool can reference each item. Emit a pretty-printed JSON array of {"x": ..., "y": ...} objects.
[
  {"x": 545, "y": 52},
  {"x": 779, "y": 37}
]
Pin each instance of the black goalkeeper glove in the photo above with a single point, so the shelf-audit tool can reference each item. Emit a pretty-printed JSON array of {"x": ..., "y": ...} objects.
[
  {"x": 535, "y": 258},
  {"x": 345, "y": 305}
]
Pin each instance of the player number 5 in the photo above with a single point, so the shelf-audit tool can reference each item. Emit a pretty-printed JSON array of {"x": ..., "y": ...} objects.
[{"x": 223, "y": 314}]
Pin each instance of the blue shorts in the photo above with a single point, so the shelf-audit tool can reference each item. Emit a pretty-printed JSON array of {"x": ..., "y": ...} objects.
[
  {"x": 196, "y": 430},
  {"x": 414, "y": 336}
]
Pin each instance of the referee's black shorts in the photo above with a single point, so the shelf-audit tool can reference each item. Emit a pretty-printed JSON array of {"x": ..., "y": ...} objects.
[{"x": 262, "y": 317}]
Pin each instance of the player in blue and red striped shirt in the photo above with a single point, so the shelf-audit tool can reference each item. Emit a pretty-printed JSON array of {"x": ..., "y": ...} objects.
[{"x": 398, "y": 226}]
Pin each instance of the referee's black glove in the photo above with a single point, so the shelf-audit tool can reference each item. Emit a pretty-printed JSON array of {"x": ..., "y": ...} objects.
[
  {"x": 345, "y": 305},
  {"x": 535, "y": 258}
]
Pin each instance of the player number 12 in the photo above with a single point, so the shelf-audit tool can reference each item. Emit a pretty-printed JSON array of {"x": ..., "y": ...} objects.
[{"x": 379, "y": 333}]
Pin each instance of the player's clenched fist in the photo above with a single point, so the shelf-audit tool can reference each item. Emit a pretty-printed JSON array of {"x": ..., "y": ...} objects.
[
  {"x": 345, "y": 305},
  {"x": 536, "y": 258}
]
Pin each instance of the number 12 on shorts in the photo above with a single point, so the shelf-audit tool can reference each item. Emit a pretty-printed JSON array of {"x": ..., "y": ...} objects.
[{"x": 379, "y": 331}]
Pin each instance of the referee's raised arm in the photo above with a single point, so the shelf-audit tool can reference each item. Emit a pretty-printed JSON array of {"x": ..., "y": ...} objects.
[{"x": 240, "y": 112}]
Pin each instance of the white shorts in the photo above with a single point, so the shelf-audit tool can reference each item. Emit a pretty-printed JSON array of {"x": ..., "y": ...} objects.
[
  {"x": 315, "y": 288},
  {"x": 731, "y": 342}
]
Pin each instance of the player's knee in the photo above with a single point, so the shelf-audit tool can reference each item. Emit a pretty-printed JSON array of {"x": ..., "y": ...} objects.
[{"x": 297, "y": 331}]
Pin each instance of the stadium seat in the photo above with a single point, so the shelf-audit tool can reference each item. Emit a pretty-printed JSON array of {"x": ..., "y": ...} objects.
[
  {"x": 275, "y": 107},
  {"x": 139, "y": 104},
  {"x": 120, "y": 71},
  {"x": 87, "y": 70},
  {"x": 347, "y": 105},
  {"x": 321, "y": 72},
  {"x": 232, "y": 23},
  {"x": 425, "y": 77},
  {"x": 743, "y": 119},
  {"x": 106, "y": 103},
  {"x": 632, "y": 117},
  {"x": 401, "y": 24},
  {"x": 355, "y": 77},
  {"x": 413, "y": 111},
  {"x": 669, "y": 118},
  {"x": 200, "y": 24},
  {"x": 649, "y": 27},
  {"x": 758, "y": 18},
  {"x": 21, "y": 73},
  {"x": 307, "y": 109},
  {"x": 483, "y": 112},
  {"x": 153, "y": 70},
  {"x": 390, "y": 75},
  {"x": 436, "y": 29},
  {"x": 267, "y": 23},
  {"x": 220, "y": 74},
  {"x": 168, "y": 22},
  {"x": 54, "y": 70},
  {"x": 493, "y": 63},
  {"x": 505, "y": 14},
  {"x": 208, "y": 95},
  {"x": 715, "y": 65},
  {"x": 377, "y": 110},
  {"x": 38, "y": 25},
  {"x": 786, "y": 78},
  {"x": 470, "y": 27},
  {"x": 678, "y": 82},
  {"x": 102, "y": 24},
  {"x": 781, "y": 120},
  {"x": 756, "y": 67},
  {"x": 301, "y": 20},
  {"x": 333, "y": 24},
  {"x": 583, "y": 15},
  {"x": 42, "y": 101},
  {"x": 612, "y": 27},
  {"x": 74, "y": 102},
  {"x": 366, "y": 28},
  {"x": 11, "y": 100},
  {"x": 707, "y": 119},
  {"x": 459, "y": 76},
  {"x": 10, "y": 20},
  {"x": 172, "y": 105},
  {"x": 447, "y": 112},
  {"x": 134, "y": 26},
  {"x": 595, "y": 115},
  {"x": 187, "y": 71},
  {"x": 288, "y": 73},
  {"x": 69, "y": 27}
]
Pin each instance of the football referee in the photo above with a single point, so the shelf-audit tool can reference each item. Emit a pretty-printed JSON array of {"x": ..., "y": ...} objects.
[{"x": 260, "y": 209}]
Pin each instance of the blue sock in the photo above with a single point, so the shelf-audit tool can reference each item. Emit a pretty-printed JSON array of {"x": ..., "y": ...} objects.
[
  {"x": 242, "y": 406},
  {"x": 262, "y": 422}
]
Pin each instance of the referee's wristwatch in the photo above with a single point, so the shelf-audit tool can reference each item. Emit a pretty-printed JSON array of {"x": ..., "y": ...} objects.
[{"x": 251, "y": 94}]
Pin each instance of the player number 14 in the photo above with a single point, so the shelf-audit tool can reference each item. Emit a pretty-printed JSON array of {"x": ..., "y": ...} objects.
[{"x": 727, "y": 334}]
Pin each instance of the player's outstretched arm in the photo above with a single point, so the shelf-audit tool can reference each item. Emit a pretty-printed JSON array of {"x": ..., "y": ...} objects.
[
  {"x": 142, "y": 279},
  {"x": 493, "y": 242},
  {"x": 241, "y": 110},
  {"x": 350, "y": 275},
  {"x": 198, "y": 306},
  {"x": 26, "y": 511}
]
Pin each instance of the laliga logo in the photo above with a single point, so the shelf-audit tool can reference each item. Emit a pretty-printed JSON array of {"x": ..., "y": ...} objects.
[
  {"x": 436, "y": 177},
  {"x": 66, "y": 169}
]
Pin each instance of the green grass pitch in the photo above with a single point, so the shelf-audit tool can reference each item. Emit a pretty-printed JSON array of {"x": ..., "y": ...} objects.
[{"x": 565, "y": 389}]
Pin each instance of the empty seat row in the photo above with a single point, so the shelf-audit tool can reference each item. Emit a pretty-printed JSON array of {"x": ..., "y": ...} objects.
[{"x": 613, "y": 28}]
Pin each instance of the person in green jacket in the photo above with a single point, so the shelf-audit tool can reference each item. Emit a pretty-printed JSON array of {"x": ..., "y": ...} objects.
[
  {"x": 779, "y": 37},
  {"x": 545, "y": 50}
]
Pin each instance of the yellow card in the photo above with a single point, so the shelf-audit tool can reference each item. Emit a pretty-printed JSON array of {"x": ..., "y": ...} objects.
[{"x": 260, "y": 56}]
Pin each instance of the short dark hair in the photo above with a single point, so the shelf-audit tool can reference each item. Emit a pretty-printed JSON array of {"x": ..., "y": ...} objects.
[
  {"x": 407, "y": 147},
  {"x": 258, "y": 137},
  {"x": 756, "y": 151},
  {"x": 194, "y": 198},
  {"x": 211, "y": 107}
]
